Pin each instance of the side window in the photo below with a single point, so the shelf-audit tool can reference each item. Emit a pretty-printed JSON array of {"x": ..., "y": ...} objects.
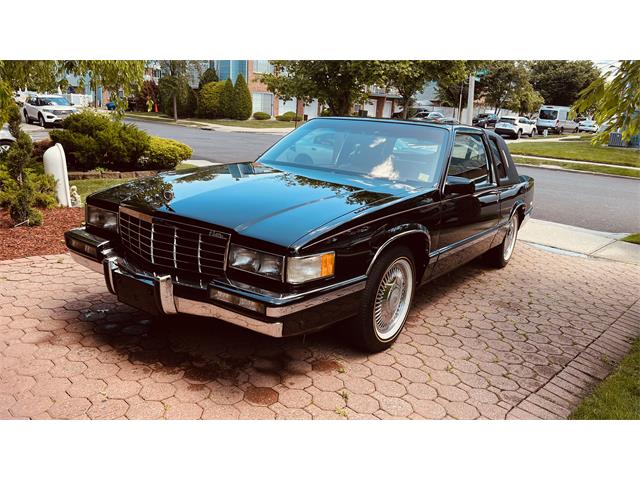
[
  {"x": 469, "y": 159},
  {"x": 497, "y": 155}
]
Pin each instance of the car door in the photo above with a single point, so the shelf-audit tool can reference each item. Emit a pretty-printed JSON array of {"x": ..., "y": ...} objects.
[
  {"x": 524, "y": 125},
  {"x": 468, "y": 220},
  {"x": 28, "y": 106}
]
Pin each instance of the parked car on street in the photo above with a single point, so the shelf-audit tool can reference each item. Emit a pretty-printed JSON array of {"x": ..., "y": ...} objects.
[
  {"x": 47, "y": 109},
  {"x": 515, "y": 127},
  {"x": 298, "y": 240},
  {"x": 588, "y": 126},
  {"x": 555, "y": 119},
  {"x": 485, "y": 120},
  {"x": 6, "y": 139},
  {"x": 431, "y": 116}
]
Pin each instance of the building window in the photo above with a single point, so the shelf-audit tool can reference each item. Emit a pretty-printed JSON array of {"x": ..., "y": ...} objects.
[
  {"x": 263, "y": 102},
  {"x": 231, "y": 69},
  {"x": 262, "y": 66}
]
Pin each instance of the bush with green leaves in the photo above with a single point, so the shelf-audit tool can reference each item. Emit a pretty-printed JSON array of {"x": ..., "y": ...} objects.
[
  {"x": 149, "y": 89},
  {"x": 242, "y": 101},
  {"x": 261, "y": 116},
  {"x": 227, "y": 100},
  {"x": 23, "y": 184},
  {"x": 165, "y": 153},
  {"x": 92, "y": 140},
  {"x": 209, "y": 100},
  {"x": 208, "y": 76},
  {"x": 289, "y": 117}
]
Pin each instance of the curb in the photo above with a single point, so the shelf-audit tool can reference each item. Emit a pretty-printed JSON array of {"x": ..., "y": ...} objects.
[
  {"x": 215, "y": 127},
  {"x": 551, "y": 167}
]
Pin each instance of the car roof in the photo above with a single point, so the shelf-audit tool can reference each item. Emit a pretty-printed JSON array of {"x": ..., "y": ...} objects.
[{"x": 445, "y": 126}]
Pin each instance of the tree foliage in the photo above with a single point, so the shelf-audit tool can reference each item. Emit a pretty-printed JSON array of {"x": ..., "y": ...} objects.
[
  {"x": 177, "y": 98},
  {"x": 227, "y": 104},
  {"x": 336, "y": 83},
  {"x": 242, "y": 101},
  {"x": 560, "y": 81},
  {"x": 209, "y": 100},
  {"x": 615, "y": 96},
  {"x": 209, "y": 75}
]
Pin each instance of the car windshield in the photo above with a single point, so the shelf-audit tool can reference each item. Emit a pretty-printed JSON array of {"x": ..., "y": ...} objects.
[
  {"x": 548, "y": 114},
  {"x": 508, "y": 120},
  {"x": 54, "y": 101},
  {"x": 396, "y": 152}
]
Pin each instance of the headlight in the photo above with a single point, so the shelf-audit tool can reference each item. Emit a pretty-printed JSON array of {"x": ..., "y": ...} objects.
[
  {"x": 256, "y": 262},
  {"x": 313, "y": 267},
  {"x": 102, "y": 218}
]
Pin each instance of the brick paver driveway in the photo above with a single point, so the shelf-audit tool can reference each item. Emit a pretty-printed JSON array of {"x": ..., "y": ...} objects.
[{"x": 522, "y": 342}]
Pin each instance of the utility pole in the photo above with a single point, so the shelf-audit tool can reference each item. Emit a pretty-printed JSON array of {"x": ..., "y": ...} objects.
[{"x": 472, "y": 86}]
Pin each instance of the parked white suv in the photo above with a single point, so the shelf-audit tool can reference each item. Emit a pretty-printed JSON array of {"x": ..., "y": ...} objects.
[
  {"x": 47, "y": 109},
  {"x": 587, "y": 126},
  {"x": 515, "y": 127}
]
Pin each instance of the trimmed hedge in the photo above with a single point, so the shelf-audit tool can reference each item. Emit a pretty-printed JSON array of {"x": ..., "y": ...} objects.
[
  {"x": 165, "y": 153},
  {"x": 227, "y": 100},
  {"x": 208, "y": 76},
  {"x": 209, "y": 100},
  {"x": 289, "y": 117},
  {"x": 261, "y": 116},
  {"x": 93, "y": 141}
]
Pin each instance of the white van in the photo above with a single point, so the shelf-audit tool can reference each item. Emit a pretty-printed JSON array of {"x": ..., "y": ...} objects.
[{"x": 555, "y": 119}]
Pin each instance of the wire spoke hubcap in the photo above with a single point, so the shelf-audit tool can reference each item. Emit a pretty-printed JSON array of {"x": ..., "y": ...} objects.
[
  {"x": 392, "y": 299},
  {"x": 510, "y": 239}
]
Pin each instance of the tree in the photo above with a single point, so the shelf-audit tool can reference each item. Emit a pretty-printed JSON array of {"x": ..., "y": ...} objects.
[
  {"x": 336, "y": 83},
  {"x": 209, "y": 75},
  {"x": 114, "y": 75},
  {"x": 177, "y": 99},
  {"x": 526, "y": 101},
  {"x": 615, "y": 96},
  {"x": 504, "y": 84},
  {"x": 560, "y": 81},
  {"x": 242, "y": 101},
  {"x": 227, "y": 105},
  {"x": 410, "y": 76}
]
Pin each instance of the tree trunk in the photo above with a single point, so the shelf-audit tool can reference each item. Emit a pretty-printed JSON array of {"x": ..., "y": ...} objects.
[
  {"x": 175, "y": 109},
  {"x": 405, "y": 107}
]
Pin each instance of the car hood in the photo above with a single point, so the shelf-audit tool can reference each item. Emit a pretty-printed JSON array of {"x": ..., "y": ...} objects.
[{"x": 257, "y": 201}]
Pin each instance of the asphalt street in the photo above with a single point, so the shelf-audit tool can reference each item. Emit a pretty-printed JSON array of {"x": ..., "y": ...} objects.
[{"x": 596, "y": 202}]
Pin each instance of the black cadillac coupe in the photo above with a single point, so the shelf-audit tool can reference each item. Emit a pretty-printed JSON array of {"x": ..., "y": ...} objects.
[{"x": 341, "y": 220}]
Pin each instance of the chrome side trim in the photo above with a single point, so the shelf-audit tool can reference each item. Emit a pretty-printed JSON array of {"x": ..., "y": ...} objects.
[
  {"x": 136, "y": 214},
  {"x": 462, "y": 244},
  {"x": 384, "y": 245},
  {"x": 192, "y": 307},
  {"x": 167, "y": 301},
  {"x": 86, "y": 262},
  {"x": 277, "y": 312}
]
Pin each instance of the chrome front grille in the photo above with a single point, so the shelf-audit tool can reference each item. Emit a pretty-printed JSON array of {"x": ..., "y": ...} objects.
[{"x": 172, "y": 246}]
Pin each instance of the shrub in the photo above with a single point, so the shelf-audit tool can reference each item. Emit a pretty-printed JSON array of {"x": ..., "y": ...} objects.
[
  {"x": 40, "y": 147},
  {"x": 209, "y": 100},
  {"x": 242, "y": 102},
  {"x": 208, "y": 76},
  {"x": 261, "y": 116},
  {"x": 227, "y": 101},
  {"x": 164, "y": 153},
  {"x": 289, "y": 117},
  {"x": 326, "y": 113},
  {"x": 92, "y": 140}
]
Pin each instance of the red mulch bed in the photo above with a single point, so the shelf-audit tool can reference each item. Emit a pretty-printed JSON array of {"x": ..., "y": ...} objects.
[{"x": 47, "y": 239}]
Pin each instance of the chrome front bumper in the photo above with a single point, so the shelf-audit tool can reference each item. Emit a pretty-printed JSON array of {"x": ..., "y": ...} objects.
[{"x": 265, "y": 311}]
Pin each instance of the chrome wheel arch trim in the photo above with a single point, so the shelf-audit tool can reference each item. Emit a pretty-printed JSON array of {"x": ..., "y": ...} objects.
[{"x": 394, "y": 238}]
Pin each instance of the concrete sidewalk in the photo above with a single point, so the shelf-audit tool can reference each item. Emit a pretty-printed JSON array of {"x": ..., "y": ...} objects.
[
  {"x": 205, "y": 125},
  {"x": 580, "y": 241}
]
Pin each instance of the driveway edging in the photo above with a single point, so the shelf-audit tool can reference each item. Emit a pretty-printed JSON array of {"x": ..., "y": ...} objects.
[{"x": 557, "y": 398}]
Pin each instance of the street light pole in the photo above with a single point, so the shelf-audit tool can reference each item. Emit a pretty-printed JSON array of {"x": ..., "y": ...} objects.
[{"x": 472, "y": 86}]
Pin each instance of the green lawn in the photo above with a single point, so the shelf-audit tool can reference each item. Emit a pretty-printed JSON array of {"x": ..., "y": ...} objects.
[
  {"x": 251, "y": 123},
  {"x": 633, "y": 238},
  {"x": 583, "y": 167},
  {"x": 618, "y": 397},
  {"x": 579, "y": 150}
]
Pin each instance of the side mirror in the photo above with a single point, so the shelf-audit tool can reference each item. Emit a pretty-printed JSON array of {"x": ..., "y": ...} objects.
[{"x": 459, "y": 185}]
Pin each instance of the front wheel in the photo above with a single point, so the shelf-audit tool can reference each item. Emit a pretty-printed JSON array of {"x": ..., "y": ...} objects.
[
  {"x": 518, "y": 134},
  {"x": 499, "y": 256},
  {"x": 386, "y": 301},
  {"x": 532, "y": 133},
  {"x": 41, "y": 121},
  {"x": 27, "y": 120}
]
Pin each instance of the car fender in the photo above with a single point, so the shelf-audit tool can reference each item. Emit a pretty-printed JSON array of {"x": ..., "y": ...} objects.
[{"x": 383, "y": 240}]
